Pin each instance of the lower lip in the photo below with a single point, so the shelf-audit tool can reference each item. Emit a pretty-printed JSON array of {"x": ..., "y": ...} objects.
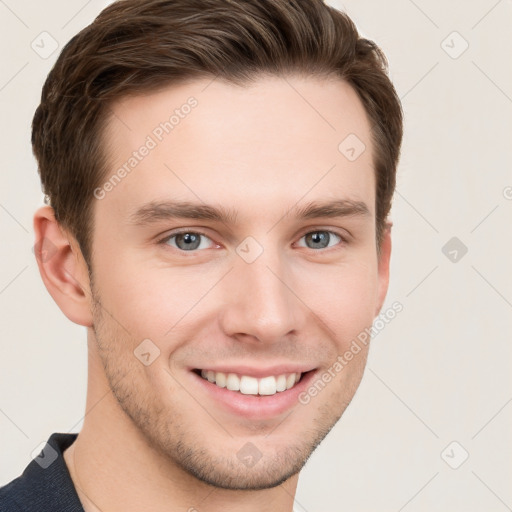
[{"x": 255, "y": 407}]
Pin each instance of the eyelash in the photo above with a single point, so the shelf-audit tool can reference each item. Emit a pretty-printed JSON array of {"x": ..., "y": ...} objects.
[{"x": 163, "y": 241}]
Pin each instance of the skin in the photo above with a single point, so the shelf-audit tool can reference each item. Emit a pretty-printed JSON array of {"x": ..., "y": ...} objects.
[{"x": 152, "y": 439}]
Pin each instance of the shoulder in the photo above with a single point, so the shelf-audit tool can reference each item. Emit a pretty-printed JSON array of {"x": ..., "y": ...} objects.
[
  {"x": 8, "y": 496},
  {"x": 45, "y": 484}
]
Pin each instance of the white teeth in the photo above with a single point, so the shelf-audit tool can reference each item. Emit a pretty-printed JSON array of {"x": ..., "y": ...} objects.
[
  {"x": 267, "y": 386},
  {"x": 233, "y": 382},
  {"x": 220, "y": 379},
  {"x": 281, "y": 383},
  {"x": 250, "y": 385}
]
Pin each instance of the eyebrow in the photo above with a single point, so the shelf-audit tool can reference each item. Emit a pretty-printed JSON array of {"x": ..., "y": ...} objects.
[{"x": 156, "y": 211}]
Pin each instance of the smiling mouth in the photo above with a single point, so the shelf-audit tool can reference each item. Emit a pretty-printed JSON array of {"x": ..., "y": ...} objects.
[{"x": 247, "y": 385}]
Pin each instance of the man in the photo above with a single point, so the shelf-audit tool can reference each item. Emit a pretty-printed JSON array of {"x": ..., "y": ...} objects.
[{"x": 218, "y": 178}]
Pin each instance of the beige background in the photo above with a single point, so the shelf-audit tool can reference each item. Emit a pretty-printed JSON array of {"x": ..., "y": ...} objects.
[{"x": 439, "y": 372}]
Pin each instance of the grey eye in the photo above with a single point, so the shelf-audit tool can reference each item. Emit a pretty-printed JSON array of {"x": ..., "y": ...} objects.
[
  {"x": 320, "y": 239},
  {"x": 188, "y": 241}
]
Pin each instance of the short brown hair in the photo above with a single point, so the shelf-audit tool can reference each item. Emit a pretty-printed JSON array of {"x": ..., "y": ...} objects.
[{"x": 138, "y": 46}]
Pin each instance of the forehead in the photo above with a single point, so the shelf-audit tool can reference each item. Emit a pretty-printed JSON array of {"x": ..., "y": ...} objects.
[{"x": 264, "y": 145}]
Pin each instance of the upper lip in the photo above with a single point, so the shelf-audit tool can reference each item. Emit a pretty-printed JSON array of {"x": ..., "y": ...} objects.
[{"x": 251, "y": 371}]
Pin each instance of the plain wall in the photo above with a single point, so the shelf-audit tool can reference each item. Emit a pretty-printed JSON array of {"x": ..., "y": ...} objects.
[{"x": 439, "y": 372}]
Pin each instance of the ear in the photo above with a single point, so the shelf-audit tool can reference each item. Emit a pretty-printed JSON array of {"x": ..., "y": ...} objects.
[
  {"x": 383, "y": 267},
  {"x": 62, "y": 267}
]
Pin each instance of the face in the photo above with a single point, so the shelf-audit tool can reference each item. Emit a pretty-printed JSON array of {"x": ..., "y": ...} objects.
[{"x": 230, "y": 291}]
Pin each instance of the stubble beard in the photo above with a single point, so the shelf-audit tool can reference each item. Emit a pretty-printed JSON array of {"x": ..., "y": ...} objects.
[{"x": 186, "y": 446}]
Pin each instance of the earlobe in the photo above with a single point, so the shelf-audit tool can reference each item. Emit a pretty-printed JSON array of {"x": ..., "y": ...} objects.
[
  {"x": 62, "y": 267},
  {"x": 383, "y": 267}
]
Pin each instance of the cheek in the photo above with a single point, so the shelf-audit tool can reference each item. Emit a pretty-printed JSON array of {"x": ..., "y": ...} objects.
[
  {"x": 343, "y": 298},
  {"x": 149, "y": 299}
]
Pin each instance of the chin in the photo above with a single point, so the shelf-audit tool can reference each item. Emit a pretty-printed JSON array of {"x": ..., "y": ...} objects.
[
  {"x": 249, "y": 469},
  {"x": 232, "y": 474}
]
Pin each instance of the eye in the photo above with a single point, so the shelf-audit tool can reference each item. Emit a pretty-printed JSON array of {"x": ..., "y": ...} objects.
[
  {"x": 190, "y": 241},
  {"x": 320, "y": 239},
  {"x": 187, "y": 241}
]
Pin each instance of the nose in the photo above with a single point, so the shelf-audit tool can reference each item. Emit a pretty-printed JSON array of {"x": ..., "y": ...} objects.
[{"x": 260, "y": 304}]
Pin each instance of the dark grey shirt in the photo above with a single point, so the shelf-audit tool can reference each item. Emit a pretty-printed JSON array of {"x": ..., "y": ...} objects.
[{"x": 45, "y": 485}]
